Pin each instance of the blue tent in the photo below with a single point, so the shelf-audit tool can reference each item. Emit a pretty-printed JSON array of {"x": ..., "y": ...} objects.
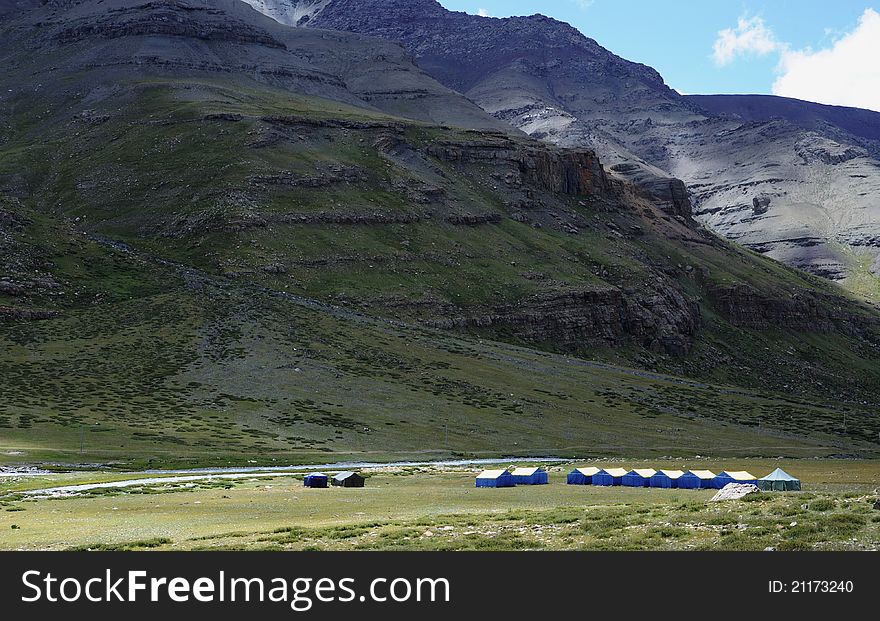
[
  {"x": 742, "y": 477},
  {"x": 696, "y": 479},
  {"x": 666, "y": 478},
  {"x": 495, "y": 478},
  {"x": 582, "y": 476},
  {"x": 638, "y": 478},
  {"x": 609, "y": 477},
  {"x": 530, "y": 476},
  {"x": 315, "y": 479}
]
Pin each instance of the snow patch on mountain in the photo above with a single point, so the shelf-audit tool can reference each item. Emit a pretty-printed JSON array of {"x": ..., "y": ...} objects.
[{"x": 290, "y": 12}]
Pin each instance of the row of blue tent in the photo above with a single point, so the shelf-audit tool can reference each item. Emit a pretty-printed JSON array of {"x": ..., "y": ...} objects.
[
  {"x": 641, "y": 477},
  {"x": 519, "y": 476},
  {"x": 778, "y": 480}
]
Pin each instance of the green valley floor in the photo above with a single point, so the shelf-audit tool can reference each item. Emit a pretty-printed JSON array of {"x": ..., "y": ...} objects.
[{"x": 429, "y": 508}]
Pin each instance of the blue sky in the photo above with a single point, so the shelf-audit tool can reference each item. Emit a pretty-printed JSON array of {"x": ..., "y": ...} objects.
[{"x": 678, "y": 38}]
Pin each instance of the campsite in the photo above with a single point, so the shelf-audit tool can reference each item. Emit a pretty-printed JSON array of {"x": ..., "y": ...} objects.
[{"x": 438, "y": 508}]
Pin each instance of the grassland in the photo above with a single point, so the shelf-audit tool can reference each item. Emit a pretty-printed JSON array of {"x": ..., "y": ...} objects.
[
  {"x": 429, "y": 509},
  {"x": 211, "y": 376},
  {"x": 182, "y": 349}
]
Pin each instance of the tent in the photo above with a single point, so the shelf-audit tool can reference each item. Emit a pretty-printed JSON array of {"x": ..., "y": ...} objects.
[
  {"x": 696, "y": 479},
  {"x": 779, "y": 481},
  {"x": 582, "y": 476},
  {"x": 348, "y": 479},
  {"x": 609, "y": 476},
  {"x": 666, "y": 478},
  {"x": 638, "y": 477},
  {"x": 740, "y": 476},
  {"x": 495, "y": 478},
  {"x": 315, "y": 479},
  {"x": 530, "y": 476}
]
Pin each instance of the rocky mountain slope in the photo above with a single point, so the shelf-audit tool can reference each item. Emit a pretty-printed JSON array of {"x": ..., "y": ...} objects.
[
  {"x": 803, "y": 193},
  {"x": 227, "y": 37},
  {"x": 205, "y": 218},
  {"x": 854, "y": 125}
]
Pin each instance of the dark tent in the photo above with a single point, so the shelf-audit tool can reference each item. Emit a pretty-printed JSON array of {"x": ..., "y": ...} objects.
[
  {"x": 696, "y": 479},
  {"x": 315, "y": 479},
  {"x": 638, "y": 478},
  {"x": 666, "y": 478},
  {"x": 779, "y": 481},
  {"x": 495, "y": 478},
  {"x": 348, "y": 479},
  {"x": 740, "y": 477},
  {"x": 530, "y": 476},
  {"x": 609, "y": 477},
  {"x": 581, "y": 476}
]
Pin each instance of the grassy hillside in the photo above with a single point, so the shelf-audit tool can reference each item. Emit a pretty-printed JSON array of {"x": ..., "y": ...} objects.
[
  {"x": 213, "y": 358},
  {"x": 211, "y": 269},
  {"x": 203, "y": 370}
]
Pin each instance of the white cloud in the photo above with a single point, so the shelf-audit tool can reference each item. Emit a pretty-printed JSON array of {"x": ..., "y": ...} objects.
[
  {"x": 483, "y": 13},
  {"x": 845, "y": 74},
  {"x": 751, "y": 37}
]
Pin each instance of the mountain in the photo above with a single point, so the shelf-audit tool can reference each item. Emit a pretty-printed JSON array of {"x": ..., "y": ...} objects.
[
  {"x": 800, "y": 192},
  {"x": 853, "y": 124},
  {"x": 222, "y": 237},
  {"x": 227, "y": 37}
]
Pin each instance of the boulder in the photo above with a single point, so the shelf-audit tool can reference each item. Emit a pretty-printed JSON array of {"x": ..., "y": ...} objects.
[
  {"x": 734, "y": 491},
  {"x": 761, "y": 205}
]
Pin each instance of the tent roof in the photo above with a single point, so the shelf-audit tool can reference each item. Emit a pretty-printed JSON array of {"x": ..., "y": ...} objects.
[
  {"x": 588, "y": 471},
  {"x": 316, "y": 474},
  {"x": 779, "y": 475},
  {"x": 703, "y": 474},
  {"x": 616, "y": 472},
  {"x": 740, "y": 475},
  {"x": 645, "y": 473},
  {"x": 491, "y": 474},
  {"x": 526, "y": 472},
  {"x": 344, "y": 475},
  {"x": 672, "y": 474}
]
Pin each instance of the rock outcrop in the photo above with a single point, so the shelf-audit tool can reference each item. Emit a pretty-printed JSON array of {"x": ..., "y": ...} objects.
[
  {"x": 569, "y": 172},
  {"x": 9, "y": 313},
  {"x": 662, "y": 320},
  {"x": 744, "y": 306},
  {"x": 174, "y": 19}
]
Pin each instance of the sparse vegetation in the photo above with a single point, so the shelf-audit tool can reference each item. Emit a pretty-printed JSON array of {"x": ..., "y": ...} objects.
[{"x": 428, "y": 509}]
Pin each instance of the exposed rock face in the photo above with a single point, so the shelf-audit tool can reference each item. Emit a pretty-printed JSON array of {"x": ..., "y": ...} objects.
[
  {"x": 170, "y": 19},
  {"x": 669, "y": 193},
  {"x": 861, "y": 127},
  {"x": 662, "y": 320},
  {"x": 292, "y": 12},
  {"x": 743, "y": 306},
  {"x": 11, "y": 7},
  {"x": 570, "y": 172},
  {"x": 816, "y": 164},
  {"x": 9, "y": 313},
  {"x": 761, "y": 205}
]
